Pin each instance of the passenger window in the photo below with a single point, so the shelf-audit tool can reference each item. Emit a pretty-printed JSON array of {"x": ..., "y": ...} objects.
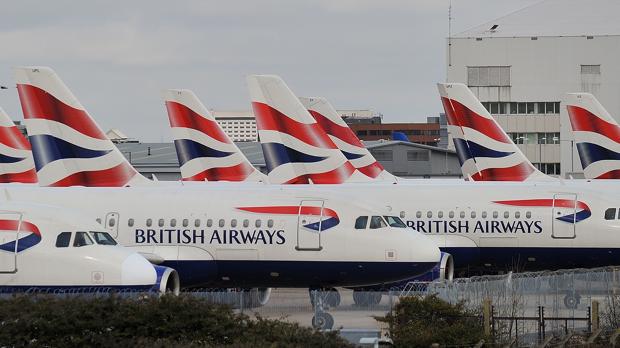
[
  {"x": 82, "y": 239},
  {"x": 98, "y": 220},
  {"x": 221, "y": 223},
  {"x": 246, "y": 223},
  {"x": 495, "y": 215},
  {"x": 233, "y": 223},
  {"x": 429, "y": 214},
  {"x": 257, "y": 223},
  {"x": 517, "y": 215},
  {"x": 402, "y": 214},
  {"x": 462, "y": 215},
  {"x": 185, "y": 222},
  {"x": 377, "y": 222},
  {"x": 506, "y": 215},
  {"x": 160, "y": 223},
  {"x": 440, "y": 214},
  {"x": 209, "y": 223},
  {"x": 62, "y": 241},
  {"x": 610, "y": 214},
  {"x": 112, "y": 222},
  {"x": 473, "y": 215},
  {"x": 269, "y": 223},
  {"x": 197, "y": 223},
  {"x": 130, "y": 222},
  {"x": 451, "y": 214},
  {"x": 149, "y": 222},
  {"x": 361, "y": 222},
  {"x": 528, "y": 214},
  {"x": 418, "y": 214},
  {"x": 484, "y": 214},
  {"x": 173, "y": 222}
]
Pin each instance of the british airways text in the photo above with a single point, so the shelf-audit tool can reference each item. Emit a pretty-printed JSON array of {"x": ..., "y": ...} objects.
[
  {"x": 467, "y": 226},
  {"x": 195, "y": 236}
]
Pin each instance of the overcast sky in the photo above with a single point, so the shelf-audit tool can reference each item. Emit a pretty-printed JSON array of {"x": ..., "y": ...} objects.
[{"x": 116, "y": 57}]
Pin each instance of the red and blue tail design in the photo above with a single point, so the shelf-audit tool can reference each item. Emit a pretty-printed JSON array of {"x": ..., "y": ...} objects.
[
  {"x": 329, "y": 218},
  {"x": 205, "y": 152},
  {"x": 344, "y": 138},
  {"x": 16, "y": 163},
  {"x": 32, "y": 234},
  {"x": 296, "y": 148},
  {"x": 485, "y": 151},
  {"x": 582, "y": 210},
  {"x": 597, "y": 136},
  {"x": 69, "y": 148}
]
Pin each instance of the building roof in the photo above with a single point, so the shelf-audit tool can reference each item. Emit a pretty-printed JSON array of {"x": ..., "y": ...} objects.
[
  {"x": 554, "y": 18},
  {"x": 375, "y": 144}
]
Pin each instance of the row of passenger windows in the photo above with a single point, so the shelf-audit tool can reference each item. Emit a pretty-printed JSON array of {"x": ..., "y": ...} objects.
[
  {"x": 462, "y": 214},
  {"x": 610, "y": 214},
  {"x": 197, "y": 223}
]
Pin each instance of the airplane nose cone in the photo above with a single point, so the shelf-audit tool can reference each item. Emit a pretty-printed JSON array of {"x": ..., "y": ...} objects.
[
  {"x": 136, "y": 270},
  {"x": 424, "y": 249}
]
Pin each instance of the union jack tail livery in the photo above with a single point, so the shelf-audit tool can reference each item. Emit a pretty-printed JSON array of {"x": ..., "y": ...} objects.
[
  {"x": 597, "y": 136},
  {"x": 205, "y": 152},
  {"x": 69, "y": 148},
  {"x": 296, "y": 148},
  {"x": 485, "y": 151},
  {"x": 348, "y": 143},
  {"x": 16, "y": 163}
]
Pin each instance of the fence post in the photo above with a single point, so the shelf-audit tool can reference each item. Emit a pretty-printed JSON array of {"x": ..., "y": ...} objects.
[
  {"x": 486, "y": 317},
  {"x": 595, "y": 316}
]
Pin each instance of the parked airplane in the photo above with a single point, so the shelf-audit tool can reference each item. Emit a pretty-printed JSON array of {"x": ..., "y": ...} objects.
[
  {"x": 484, "y": 150},
  {"x": 493, "y": 227},
  {"x": 48, "y": 249},
  {"x": 205, "y": 152},
  {"x": 597, "y": 136},
  {"x": 16, "y": 164}
]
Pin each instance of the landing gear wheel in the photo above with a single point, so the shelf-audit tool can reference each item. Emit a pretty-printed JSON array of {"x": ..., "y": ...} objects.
[
  {"x": 572, "y": 300},
  {"x": 323, "y": 321},
  {"x": 375, "y": 298},
  {"x": 332, "y": 298},
  {"x": 365, "y": 299}
]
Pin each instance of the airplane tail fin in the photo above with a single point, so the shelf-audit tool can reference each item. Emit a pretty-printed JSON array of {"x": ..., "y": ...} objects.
[
  {"x": 16, "y": 163},
  {"x": 205, "y": 152},
  {"x": 485, "y": 151},
  {"x": 349, "y": 144},
  {"x": 296, "y": 148},
  {"x": 69, "y": 148},
  {"x": 597, "y": 136}
]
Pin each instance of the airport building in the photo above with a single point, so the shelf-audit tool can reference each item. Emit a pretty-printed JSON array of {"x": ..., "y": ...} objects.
[
  {"x": 400, "y": 158},
  {"x": 521, "y": 65}
]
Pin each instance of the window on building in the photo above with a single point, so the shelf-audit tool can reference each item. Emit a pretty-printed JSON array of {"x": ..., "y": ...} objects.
[
  {"x": 488, "y": 76},
  {"x": 418, "y": 156},
  {"x": 383, "y": 155},
  {"x": 591, "y": 69},
  {"x": 530, "y": 108}
]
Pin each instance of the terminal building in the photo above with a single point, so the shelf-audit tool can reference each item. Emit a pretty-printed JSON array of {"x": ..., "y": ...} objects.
[{"x": 521, "y": 65}]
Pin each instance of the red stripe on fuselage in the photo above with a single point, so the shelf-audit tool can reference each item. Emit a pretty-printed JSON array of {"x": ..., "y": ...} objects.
[
  {"x": 545, "y": 202},
  {"x": 291, "y": 210},
  {"x": 13, "y": 225},
  {"x": 585, "y": 121},
  {"x": 39, "y": 104},
  {"x": 182, "y": 116}
]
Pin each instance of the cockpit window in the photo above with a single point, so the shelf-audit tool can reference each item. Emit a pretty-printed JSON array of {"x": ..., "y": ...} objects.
[
  {"x": 377, "y": 222},
  {"x": 82, "y": 239},
  {"x": 610, "y": 214},
  {"x": 395, "y": 221},
  {"x": 102, "y": 238},
  {"x": 361, "y": 222},
  {"x": 62, "y": 241}
]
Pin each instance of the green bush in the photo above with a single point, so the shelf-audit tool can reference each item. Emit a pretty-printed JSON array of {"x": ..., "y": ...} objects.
[
  {"x": 112, "y": 321},
  {"x": 422, "y": 321}
]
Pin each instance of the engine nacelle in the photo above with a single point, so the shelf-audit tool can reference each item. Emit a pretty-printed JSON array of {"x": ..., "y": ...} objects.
[
  {"x": 257, "y": 297},
  {"x": 444, "y": 270},
  {"x": 167, "y": 280}
]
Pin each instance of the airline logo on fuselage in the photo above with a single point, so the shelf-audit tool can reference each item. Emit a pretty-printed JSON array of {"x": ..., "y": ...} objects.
[
  {"x": 12, "y": 226},
  {"x": 328, "y": 218}
]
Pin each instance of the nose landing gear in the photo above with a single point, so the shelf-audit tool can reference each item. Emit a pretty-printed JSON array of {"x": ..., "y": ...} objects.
[{"x": 321, "y": 300}]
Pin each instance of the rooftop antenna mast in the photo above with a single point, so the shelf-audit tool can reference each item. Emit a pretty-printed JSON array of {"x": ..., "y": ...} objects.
[{"x": 449, "y": 37}]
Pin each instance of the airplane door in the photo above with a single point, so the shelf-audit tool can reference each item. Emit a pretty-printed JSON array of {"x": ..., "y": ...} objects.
[
  {"x": 111, "y": 224},
  {"x": 564, "y": 214},
  {"x": 309, "y": 227},
  {"x": 9, "y": 243}
]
